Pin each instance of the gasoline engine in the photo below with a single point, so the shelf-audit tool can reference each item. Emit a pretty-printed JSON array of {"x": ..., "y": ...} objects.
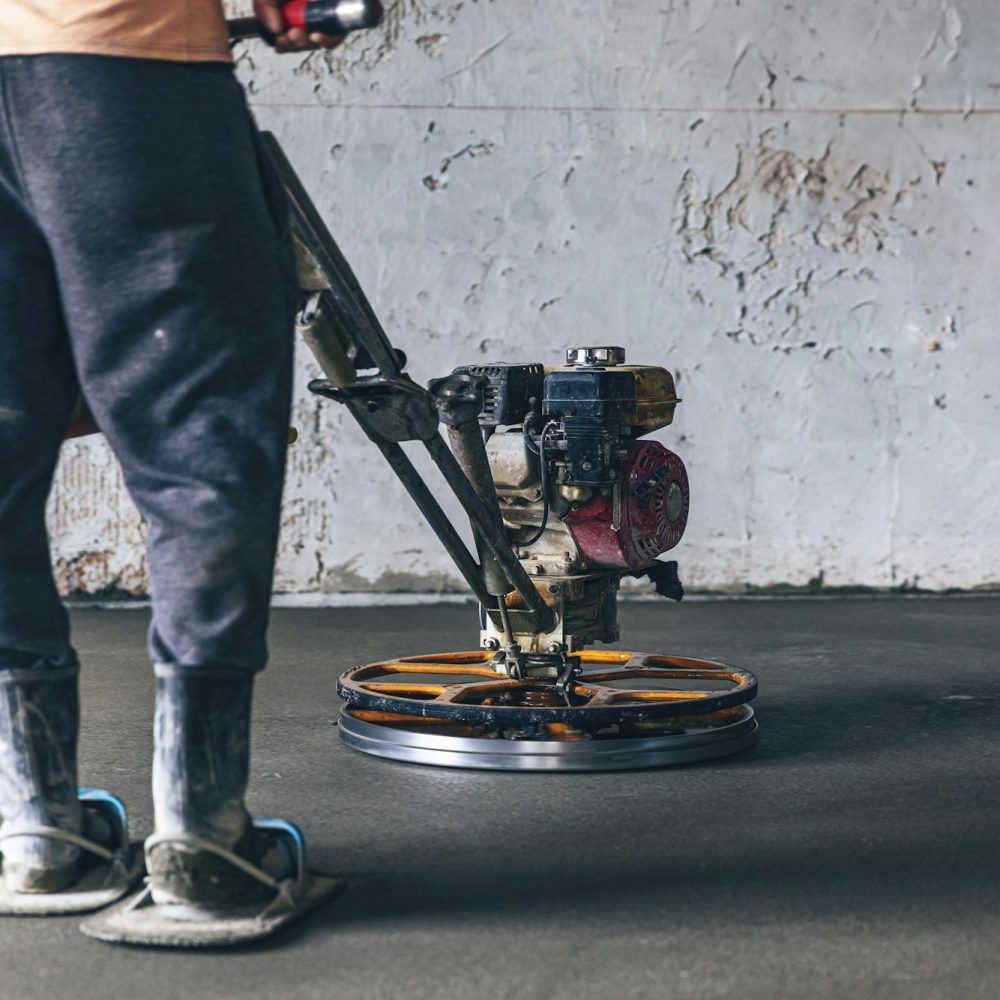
[
  {"x": 584, "y": 501},
  {"x": 565, "y": 496}
]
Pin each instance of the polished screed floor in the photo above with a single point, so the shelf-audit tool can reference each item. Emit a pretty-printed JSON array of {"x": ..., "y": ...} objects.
[{"x": 855, "y": 852}]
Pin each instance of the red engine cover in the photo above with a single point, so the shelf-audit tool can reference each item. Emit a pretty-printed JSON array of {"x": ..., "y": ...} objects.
[{"x": 654, "y": 510}]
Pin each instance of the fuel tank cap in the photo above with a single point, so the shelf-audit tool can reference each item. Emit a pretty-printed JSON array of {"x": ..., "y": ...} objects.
[{"x": 593, "y": 357}]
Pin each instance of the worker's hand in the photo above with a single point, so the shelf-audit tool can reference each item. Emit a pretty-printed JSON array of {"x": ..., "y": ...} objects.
[{"x": 287, "y": 39}]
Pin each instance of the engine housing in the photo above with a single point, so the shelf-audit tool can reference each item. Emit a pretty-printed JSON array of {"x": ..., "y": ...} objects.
[
  {"x": 584, "y": 500},
  {"x": 645, "y": 515}
]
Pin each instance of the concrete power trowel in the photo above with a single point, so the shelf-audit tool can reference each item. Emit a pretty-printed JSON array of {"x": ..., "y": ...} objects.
[{"x": 565, "y": 498}]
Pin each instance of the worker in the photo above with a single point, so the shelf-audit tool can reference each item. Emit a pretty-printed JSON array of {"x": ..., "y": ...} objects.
[{"x": 146, "y": 261}]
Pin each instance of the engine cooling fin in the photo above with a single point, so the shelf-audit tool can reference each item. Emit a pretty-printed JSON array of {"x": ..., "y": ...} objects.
[{"x": 620, "y": 711}]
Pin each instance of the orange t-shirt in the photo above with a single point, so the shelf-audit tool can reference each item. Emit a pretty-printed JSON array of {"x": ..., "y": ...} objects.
[{"x": 181, "y": 30}]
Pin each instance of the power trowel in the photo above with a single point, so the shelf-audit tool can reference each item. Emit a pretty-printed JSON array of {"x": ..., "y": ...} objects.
[
  {"x": 565, "y": 498},
  {"x": 566, "y": 495}
]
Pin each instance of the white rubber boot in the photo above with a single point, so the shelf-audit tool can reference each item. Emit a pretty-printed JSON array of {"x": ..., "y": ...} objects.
[
  {"x": 200, "y": 771},
  {"x": 39, "y": 723}
]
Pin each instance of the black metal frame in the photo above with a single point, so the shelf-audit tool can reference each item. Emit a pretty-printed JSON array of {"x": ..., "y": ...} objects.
[{"x": 392, "y": 408}]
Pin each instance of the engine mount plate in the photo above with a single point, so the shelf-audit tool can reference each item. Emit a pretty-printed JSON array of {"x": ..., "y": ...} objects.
[{"x": 621, "y": 711}]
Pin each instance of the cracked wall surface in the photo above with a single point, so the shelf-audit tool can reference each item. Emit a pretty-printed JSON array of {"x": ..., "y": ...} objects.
[{"x": 791, "y": 205}]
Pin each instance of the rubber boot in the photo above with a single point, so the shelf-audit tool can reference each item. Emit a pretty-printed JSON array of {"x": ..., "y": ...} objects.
[
  {"x": 39, "y": 723},
  {"x": 201, "y": 761}
]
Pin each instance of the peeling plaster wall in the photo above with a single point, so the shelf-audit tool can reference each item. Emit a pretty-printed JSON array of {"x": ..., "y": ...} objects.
[{"x": 792, "y": 205}]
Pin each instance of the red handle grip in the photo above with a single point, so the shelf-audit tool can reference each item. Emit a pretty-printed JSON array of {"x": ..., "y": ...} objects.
[{"x": 295, "y": 13}]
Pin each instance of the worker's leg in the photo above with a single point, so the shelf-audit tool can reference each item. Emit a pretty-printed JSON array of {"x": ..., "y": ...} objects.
[
  {"x": 171, "y": 249},
  {"x": 38, "y": 697},
  {"x": 174, "y": 274}
]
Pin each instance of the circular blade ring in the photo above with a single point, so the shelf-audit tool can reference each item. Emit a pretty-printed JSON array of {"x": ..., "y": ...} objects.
[
  {"x": 438, "y": 743},
  {"x": 594, "y": 701}
]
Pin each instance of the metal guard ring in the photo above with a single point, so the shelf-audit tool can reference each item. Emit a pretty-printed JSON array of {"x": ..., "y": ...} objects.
[{"x": 604, "y": 705}]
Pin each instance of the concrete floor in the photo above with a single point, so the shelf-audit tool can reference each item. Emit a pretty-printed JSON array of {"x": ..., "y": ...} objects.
[{"x": 853, "y": 853}]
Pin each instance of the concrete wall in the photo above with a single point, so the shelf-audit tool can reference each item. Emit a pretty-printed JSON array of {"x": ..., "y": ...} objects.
[{"x": 792, "y": 205}]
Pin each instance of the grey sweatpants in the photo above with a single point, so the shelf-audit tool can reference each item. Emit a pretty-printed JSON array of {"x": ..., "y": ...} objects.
[{"x": 144, "y": 255}]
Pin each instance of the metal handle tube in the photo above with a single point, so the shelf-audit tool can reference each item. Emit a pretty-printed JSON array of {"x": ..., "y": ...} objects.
[
  {"x": 492, "y": 531},
  {"x": 470, "y": 452},
  {"x": 314, "y": 327},
  {"x": 436, "y": 518},
  {"x": 340, "y": 280}
]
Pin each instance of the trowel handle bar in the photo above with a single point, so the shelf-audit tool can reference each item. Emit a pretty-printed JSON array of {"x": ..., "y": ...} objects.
[
  {"x": 332, "y": 17},
  {"x": 325, "y": 17}
]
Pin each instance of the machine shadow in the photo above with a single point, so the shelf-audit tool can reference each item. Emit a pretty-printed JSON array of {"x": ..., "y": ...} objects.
[
  {"x": 942, "y": 864},
  {"x": 770, "y": 885}
]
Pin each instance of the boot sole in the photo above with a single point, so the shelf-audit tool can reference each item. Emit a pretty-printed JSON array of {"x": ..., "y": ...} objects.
[
  {"x": 98, "y": 886},
  {"x": 140, "y": 921}
]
